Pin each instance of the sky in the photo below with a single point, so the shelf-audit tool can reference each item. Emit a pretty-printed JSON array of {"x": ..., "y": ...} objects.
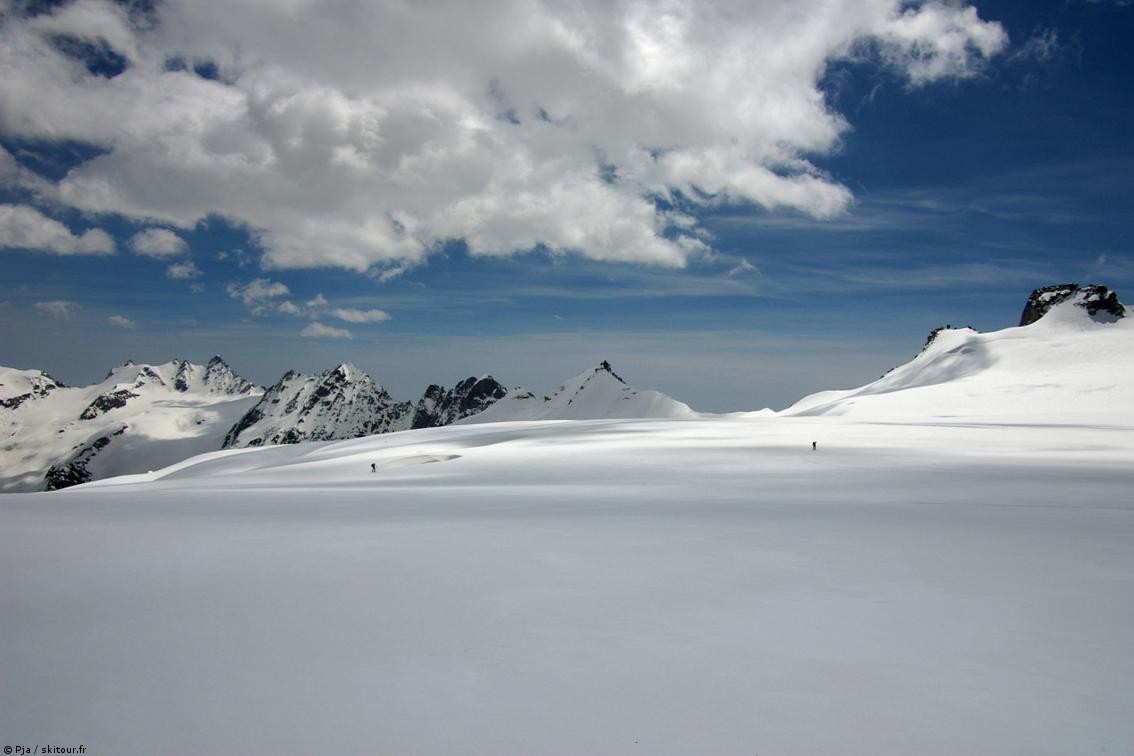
[{"x": 737, "y": 202}]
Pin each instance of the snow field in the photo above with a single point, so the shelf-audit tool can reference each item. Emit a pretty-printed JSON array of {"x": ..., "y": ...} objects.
[{"x": 610, "y": 587}]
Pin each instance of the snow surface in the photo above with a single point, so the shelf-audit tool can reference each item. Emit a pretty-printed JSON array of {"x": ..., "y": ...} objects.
[{"x": 927, "y": 584}]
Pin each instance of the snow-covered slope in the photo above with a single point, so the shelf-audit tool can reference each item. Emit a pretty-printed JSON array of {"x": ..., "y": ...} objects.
[
  {"x": 608, "y": 587},
  {"x": 140, "y": 417},
  {"x": 343, "y": 402},
  {"x": 1074, "y": 363},
  {"x": 593, "y": 394}
]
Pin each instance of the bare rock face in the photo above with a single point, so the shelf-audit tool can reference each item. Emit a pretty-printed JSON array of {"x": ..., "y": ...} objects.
[
  {"x": 1100, "y": 302},
  {"x": 106, "y": 402},
  {"x": 73, "y": 470},
  {"x": 440, "y": 406}
]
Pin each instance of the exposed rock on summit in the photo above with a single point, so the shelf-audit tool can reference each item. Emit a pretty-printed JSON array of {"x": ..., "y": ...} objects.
[
  {"x": 341, "y": 403},
  {"x": 439, "y": 406},
  {"x": 1100, "y": 302}
]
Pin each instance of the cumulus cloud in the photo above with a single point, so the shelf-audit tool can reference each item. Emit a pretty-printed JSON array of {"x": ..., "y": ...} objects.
[
  {"x": 58, "y": 308},
  {"x": 183, "y": 270},
  {"x": 258, "y": 294},
  {"x": 24, "y": 227},
  {"x": 120, "y": 321},
  {"x": 289, "y": 308},
  {"x": 158, "y": 242},
  {"x": 351, "y": 315},
  {"x": 513, "y": 124},
  {"x": 319, "y": 331}
]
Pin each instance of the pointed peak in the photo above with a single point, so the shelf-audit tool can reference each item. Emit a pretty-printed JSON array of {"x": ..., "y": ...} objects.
[
  {"x": 216, "y": 360},
  {"x": 604, "y": 367},
  {"x": 346, "y": 370}
]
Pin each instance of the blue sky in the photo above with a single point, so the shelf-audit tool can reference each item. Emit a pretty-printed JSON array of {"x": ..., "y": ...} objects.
[{"x": 734, "y": 206}]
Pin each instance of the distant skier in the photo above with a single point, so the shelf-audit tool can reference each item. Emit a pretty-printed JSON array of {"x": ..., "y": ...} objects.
[
  {"x": 812, "y": 448},
  {"x": 373, "y": 467}
]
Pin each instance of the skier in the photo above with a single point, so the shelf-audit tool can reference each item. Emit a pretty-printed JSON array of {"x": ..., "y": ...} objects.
[
  {"x": 373, "y": 467},
  {"x": 812, "y": 448}
]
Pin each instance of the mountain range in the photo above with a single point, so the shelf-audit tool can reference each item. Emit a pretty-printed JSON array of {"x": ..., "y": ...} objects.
[
  {"x": 1062, "y": 357},
  {"x": 143, "y": 417}
]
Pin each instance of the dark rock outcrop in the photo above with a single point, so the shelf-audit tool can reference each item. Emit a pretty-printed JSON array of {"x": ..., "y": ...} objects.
[
  {"x": 440, "y": 406},
  {"x": 40, "y": 384},
  {"x": 1100, "y": 302},
  {"x": 107, "y": 402},
  {"x": 74, "y": 470}
]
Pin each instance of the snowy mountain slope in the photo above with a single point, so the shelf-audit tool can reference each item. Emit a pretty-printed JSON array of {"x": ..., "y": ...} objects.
[
  {"x": 140, "y": 417},
  {"x": 343, "y": 402},
  {"x": 593, "y": 394},
  {"x": 599, "y": 587},
  {"x": 20, "y": 386},
  {"x": 1075, "y": 362}
]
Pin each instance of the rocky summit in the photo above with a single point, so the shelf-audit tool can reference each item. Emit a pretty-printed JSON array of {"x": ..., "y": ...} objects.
[
  {"x": 341, "y": 403},
  {"x": 1100, "y": 302},
  {"x": 440, "y": 406}
]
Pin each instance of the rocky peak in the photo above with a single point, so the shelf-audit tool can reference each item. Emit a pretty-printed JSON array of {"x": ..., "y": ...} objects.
[
  {"x": 604, "y": 367},
  {"x": 440, "y": 406},
  {"x": 181, "y": 380},
  {"x": 1100, "y": 302},
  {"x": 342, "y": 402},
  {"x": 219, "y": 377}
]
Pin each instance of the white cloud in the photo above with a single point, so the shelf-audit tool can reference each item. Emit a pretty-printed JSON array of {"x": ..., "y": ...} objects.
[
  {"x": 14, "y": 174},
  {"x": 938, "y": 40},
  {"x": 289, "y": 308},
  {"x": 58, "y": 308},
  {"x": 121, "y": 322},
  {"x": 158, "y": 242},
  {"x": 508, "y": 124},
  {"x": 320, "y": 331},
  {"x": 24, "y": 227},
  {"x": 183, "y": 270},
  {"x": 258, "y": 294},
  {"x": 1042, "y": 46},
  {"x": 351, "y": 315},
  {"x": 742, "y": 268}
]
